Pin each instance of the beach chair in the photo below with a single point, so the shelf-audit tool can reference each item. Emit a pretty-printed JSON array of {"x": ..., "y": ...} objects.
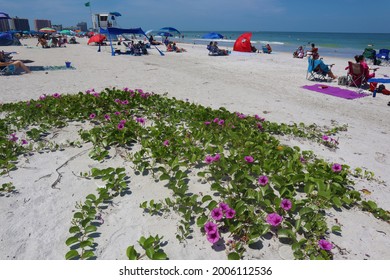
[
  {"x": 370, "y": 55},
  {"x": 8, "y": 70},
  {"x": 384, "y": 56},
  {"x": 355, "y": 75},
  {"x": 265, "y": 50},
  {"x": 314, "y": 72}
]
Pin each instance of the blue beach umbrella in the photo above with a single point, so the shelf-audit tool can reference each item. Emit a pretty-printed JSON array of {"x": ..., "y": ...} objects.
[
  {"x": 165, "y": 34},
  {"x": 212, "y": 35},
  {"x": 169, "y": 29},
  {"x": 4, "y": 16},
  {"x": 115, "y": 14}
]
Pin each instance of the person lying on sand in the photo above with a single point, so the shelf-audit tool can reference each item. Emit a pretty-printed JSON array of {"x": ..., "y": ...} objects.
[{"x": 18, "y": 64}]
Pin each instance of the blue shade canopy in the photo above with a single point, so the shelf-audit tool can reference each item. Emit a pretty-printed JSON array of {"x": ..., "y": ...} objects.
[
  {"x": 115, "y": 14},
  {"x": 169, "y": 29},
  {"x": 212, "y": 35},
  {"x": 4, "y": 16},
  {"x": 165, "y": 34},
  {"x": 118, "y": 31}
]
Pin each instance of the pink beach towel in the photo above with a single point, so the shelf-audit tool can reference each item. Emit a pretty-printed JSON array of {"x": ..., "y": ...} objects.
[{"x": 335, "y": 91}]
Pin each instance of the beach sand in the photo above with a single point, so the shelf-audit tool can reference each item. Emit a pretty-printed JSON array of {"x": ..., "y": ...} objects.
[{"x": 35, "y": 220}]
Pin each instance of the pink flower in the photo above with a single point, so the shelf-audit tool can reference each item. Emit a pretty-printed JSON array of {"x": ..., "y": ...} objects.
[
  {"x": 207, "y": 123},
  {"x": 325, "y": 137},
  {"x": 224, "y": 207},
  {"x": 249, "y": 159},
  {"x": 117, "y": 100},
  {"x": 257, "y": 117},
  {"x": 336, "y": 168},
  {"x": 263, "y": 180},
  {"x": 216, "y": 120},
  {"x": 24, "y": 142},
  {"x": 259, "y": 126},
  {"x": 213, "y": 237},
  {"x": 122, "y": 121},
  {"x": 92, "y": 116},
  {"x": 140, "y": 120},
  {"x": 56, "y": 95},
  {"x": 96, "y": 94},
  {"x": 107, "y": 117},
  {"x": 166, "y": 143},
  {"x": 209, "y": 159},
  {"x": 13, "y": 137},
  {"x": 42, "y": 97},
  {"x": 221, "y": 122},
  {"x": 126, "y": 89},
  {"x": 217, "y": 214},
  {"x": 274, "y": 219},
  {"x": 325, "y": 245},
  {"x": 217, "y": 157},
  {"x": 286, "y": 204},
  {"x": 121, "y": 126},
  {"x": 117, "y": 113},
  {"x": 210, "y": 227},
  {"x": 125, "y": 102},
  {"x": 302, "y": 159},
  {"x": 230, "y": 213}
]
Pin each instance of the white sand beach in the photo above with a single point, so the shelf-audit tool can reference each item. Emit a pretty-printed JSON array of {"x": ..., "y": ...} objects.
[{"x": 35, "y": 220}]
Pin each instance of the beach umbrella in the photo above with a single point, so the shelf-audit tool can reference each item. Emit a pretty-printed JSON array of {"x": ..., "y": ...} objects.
[
  {"x": 98, "y": 38},
  {"x": 165, "y": 34},
  {"x": 115, "y": 14},
  {"x": 169, "y": 29},
  {"x": 243, "y": 43},
  {"x": 4, "y": 16},
  {"x": 212, "y": 35},
  {"x": 47, "y": 30},
  {"x": 66, "y": 32},
  {"x": 149, "y": 31}
]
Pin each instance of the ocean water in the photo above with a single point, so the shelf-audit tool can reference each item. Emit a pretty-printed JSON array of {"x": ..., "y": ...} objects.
[{"x": 329, "y": 44}]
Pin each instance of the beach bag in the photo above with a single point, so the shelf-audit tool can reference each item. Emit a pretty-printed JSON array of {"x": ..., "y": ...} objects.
[{"x": 342, "y": 81}]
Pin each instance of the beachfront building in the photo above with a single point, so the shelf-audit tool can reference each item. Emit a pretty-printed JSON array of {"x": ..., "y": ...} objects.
[
  {"x": 41, "y": 23},
  {"x": 19, "y": 24},
  {"x": 4, "y": 25},
  {"x": 82, "y": 26}
]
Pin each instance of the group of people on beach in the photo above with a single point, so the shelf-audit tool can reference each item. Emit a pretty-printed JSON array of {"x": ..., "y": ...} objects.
[
  {"x": 6, "y": 60},
  {"x": 48, "y": 41}
]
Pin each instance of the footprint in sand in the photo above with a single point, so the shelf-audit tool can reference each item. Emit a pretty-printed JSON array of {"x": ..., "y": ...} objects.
[{"x": 379, "y": 157}]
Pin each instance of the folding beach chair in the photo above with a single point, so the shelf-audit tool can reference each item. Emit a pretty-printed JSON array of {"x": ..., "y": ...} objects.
[
  {"x": 314, "y": 72},
  {"x": 8, "y": 70},
  {"x": 370, "y": 55},
  {"x": 384, "y": 56},
  {"x": 356, "y": 75}
]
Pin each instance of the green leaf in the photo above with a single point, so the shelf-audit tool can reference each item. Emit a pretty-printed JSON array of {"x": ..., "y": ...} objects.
[
  {"x": 89, "y": 229},
  {"x": 71, "y": 240},
  {"x": 74, "y": 229},
  {"x": 91, "y": 197},
  {"x": 233, "y": 256},
  {"x": 164, "y": 177},
  {"x": 159, "y": 256},
  {"x": 148, "y": 242},
  {"x": 283, "y": 233},
  {"x": 305, "y": 210},
  {"x": 206, "y": 198},
  {"x": 336, "y": 229},
  {"x": 87, "y": 255},
  {"x": 86, "y": 243},
  {"x": 131, "y": 253},
  {"x": 337, "y": 201},
  {"x": 71, "y": 255},
  {"x": 201, "y": 220},
  {"x": 78, "y": 215},
  {"x": 150, "y": 252}
]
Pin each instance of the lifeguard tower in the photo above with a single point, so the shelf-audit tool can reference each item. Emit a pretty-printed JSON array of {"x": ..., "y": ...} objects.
[{"x": 104, "y": 20}]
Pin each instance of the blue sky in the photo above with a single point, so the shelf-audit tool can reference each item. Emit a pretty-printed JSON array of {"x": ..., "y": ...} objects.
[{"x": 217, "y": 15}]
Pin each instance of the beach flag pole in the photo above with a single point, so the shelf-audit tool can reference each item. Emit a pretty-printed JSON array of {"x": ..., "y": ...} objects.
[{"x": 88, "y": 4}]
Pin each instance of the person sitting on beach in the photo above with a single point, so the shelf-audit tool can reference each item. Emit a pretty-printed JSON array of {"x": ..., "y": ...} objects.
[
  {"x": 216, "y": 49},
  {"x": 4, "y": 62},
  {"x": 299, "y": 53},
  {"x": 366, "y": 70},
  {"x": 268, "y": 48},
  {"x": 313, "y": 51},
  {"x": 324, "y": 69},
  {"x": 153, "y": 42},
  {"x": 42, "y": 41}
]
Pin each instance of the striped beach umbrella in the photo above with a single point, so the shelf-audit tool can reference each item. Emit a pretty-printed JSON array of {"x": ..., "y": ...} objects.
[{"x": 47, "y": 30}]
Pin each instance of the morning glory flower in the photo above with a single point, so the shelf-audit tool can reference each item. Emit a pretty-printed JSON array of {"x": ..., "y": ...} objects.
[
  {"x": 249, "y": 159},
  {"x": 263, "y": 180},
  {"x": 336, "y": 168},
  {"x": 274, "y": 219},
  {"x": 230, "y": 213},
  {"x": 213, "y": 237},
  {"x": 286, "y": 204},
  {"x": 210, "y": 227},
  {"x": 325, "y": 245},
  {"x": 217, "y": 214}
]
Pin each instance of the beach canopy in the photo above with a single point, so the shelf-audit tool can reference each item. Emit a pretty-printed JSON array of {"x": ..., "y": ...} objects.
[
  {"x": 8, "y": 39},
  {"x": 98, "y": 38},
  {"x": 115, "y": 14},
  {"x": 243, "y": 43},
  {"x": 4, "y": 16},
  {"x": 212, "y": 35},
  {"x": 67, "y": 32},
  {"x": 118, "y": 31},
  {"x": 169, "y": 29}
]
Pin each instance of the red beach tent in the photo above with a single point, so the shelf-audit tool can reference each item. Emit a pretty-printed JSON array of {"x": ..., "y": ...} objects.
[{"x": 243, "y": 43}]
